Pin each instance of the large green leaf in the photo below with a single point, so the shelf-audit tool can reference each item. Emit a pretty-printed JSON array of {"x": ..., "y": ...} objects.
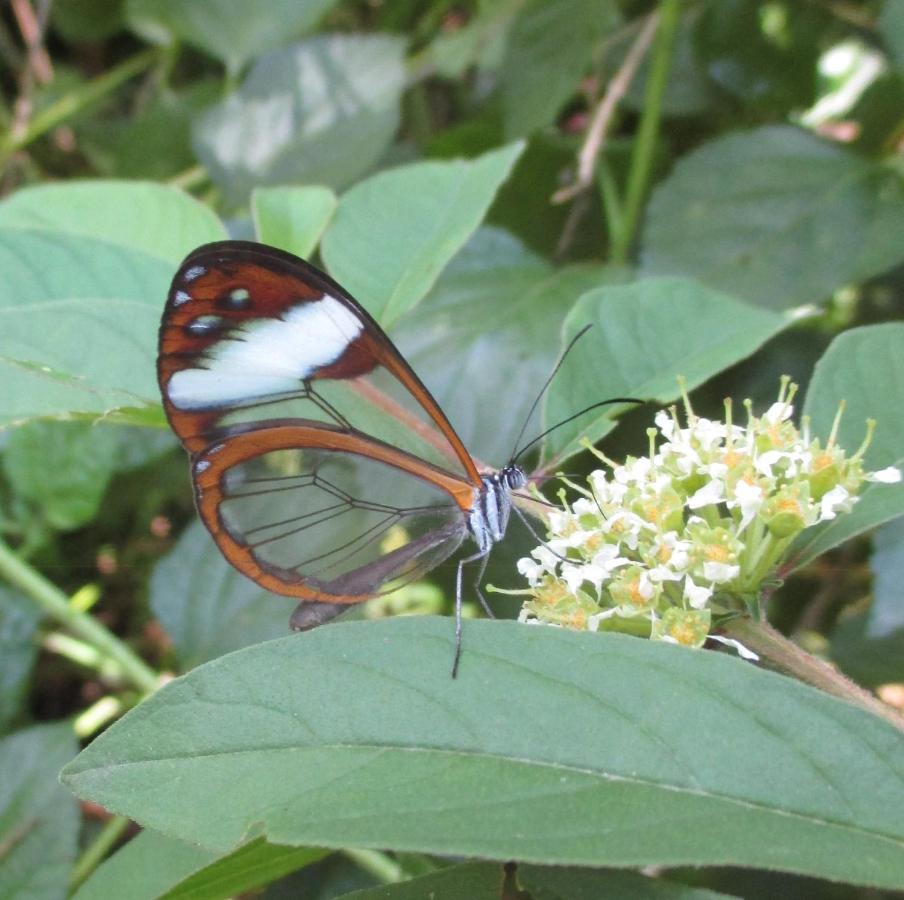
[
  {"x": 551, "y": 747},
  {"x": 19, "y": 618},
  {"x": 155, "y": 143},
  {"x": 39, "y": 819},
  {"x": 231, "y": 30},
  {"x": 645, "y": 335},
  {"x": 323, "y": 111},
  {"x": 480, "y": 42},
  {"x": 395, "y": 232},
  {"x": 78, "y": 324},
  {"x": 153, "y": 219},
  {"x": 155, "y": 867},
  {"x": 292, "y": 218},
  {"x": 865, "y": 368},
  {"x": 206, "y": 606},
  {"x": 549, "y": 49},
  {"x": 62, "y": 468},
  {"x": 481, "y": 338},
  {"x": 776, "y": 216}
]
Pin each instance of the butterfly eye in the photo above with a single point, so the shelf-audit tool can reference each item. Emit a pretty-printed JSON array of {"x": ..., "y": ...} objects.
[
  {"x": 204, "y": 326},
  {"x": 236, "y": 299}
]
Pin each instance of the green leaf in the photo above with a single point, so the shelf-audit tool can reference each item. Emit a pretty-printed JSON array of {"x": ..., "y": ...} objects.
[
  {"x": 321, "y": 112},
  {"x": 154, "y": 143},
  {"x": 292, "y": 218},
  {"x": 865, "y": 368},
  {"x": 775, "y": 216},
  {"x": 423, "y": 214},
  {"x": 887, "y": 563},
  {"x": 78, "y": 336},
  {"x": 19, "y": 618},
  {"x": 743, "y": 59},
  {"x": 155, "y": 220},
  {"x": 207, "y": 607},
  {"x": 474, "y": 880},
  {"x": 155, "y": 867},
  {"x": 645, "y": 335},
  {"x": 550, "y": 747},
  {"x": 588, "y": 884},
  {"x": 63, "y": 468},
  {"x": 39, "y": 819},
  {"x": 483, "y": 333},
  {"x": 549, "y": 49},
  {"x": 480, "y": 42},
  {"x": 230, "y": 30},
  {"x": 891, "y": 29},
  {"x": 870, "y": 661}
]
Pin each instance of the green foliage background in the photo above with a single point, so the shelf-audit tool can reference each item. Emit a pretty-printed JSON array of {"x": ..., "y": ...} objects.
[{"x": 716, "y": 185}]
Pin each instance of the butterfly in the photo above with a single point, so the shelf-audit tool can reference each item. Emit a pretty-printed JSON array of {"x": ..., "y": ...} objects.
[{"x": 322, "y": 466}]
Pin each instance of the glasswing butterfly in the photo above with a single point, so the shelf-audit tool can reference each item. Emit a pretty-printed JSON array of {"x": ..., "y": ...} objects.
[{"x": 322, "y": 466}]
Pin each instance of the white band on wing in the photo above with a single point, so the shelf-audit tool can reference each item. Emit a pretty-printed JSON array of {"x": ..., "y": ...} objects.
[{"x": 267, "y": 356}]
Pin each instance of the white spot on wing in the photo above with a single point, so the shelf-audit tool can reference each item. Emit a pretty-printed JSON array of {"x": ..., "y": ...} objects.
[
  {"x": 268, "y": 356},
  {"x": 193, "y": 272},
  {"x": 180, "y": 297}
]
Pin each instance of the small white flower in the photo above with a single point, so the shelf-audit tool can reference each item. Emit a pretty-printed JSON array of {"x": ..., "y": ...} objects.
[
  {"x": 891, "y": 475},
  {"x": 531, "y": 570},
  {"x": 750, "y": 498},
  {"x": 574, "y": 576},
  {"x": 765, "y": 461},
  {"x": 711, "y": 492},
  {"x": 658, "y": 574},
  {"x": 778, "y": 412},
  {"x": 607, "y": 558},
  {"x": 743, "y": 652},
  {"x": 718, "y": 573},
  {"x": 696, "y": 594},
  {"x": 593, "y": 622},
  {"x": 584, "y": 506},
  {"x": 832, "y": 501},
  {"x": 665, "y": 423},
  {"x": 709, "y": 433}
]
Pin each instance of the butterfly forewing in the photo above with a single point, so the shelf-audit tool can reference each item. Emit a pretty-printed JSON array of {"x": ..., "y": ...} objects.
[{"x": 252, "y": 335}]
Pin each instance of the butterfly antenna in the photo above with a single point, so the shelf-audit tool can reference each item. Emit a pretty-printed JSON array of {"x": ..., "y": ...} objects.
[
  {"x": 571, "y": 418},
  {"x": 545, "y": 387}
]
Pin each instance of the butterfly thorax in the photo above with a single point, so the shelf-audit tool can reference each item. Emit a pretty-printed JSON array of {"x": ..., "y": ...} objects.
[{"x": 489, "y": 516}]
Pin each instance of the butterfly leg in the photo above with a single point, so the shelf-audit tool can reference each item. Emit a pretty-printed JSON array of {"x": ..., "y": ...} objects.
[
  {"x": 477, "y": 582},
  {"x": 482, "y": 554}
]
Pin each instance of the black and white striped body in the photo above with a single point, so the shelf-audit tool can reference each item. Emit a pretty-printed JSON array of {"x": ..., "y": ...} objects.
[{"x": 489, "y": 516}]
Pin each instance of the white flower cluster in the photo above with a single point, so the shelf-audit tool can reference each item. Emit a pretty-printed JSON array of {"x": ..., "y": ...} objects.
[{"x": 695, "y": 528}]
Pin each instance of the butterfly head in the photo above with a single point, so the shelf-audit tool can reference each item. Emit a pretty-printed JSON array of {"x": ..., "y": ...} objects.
[{"x": 513, "y": 477}]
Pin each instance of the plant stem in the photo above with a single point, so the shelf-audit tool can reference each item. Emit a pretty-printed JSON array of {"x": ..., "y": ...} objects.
[
  {"x": 645, "y": 143},
  {"x": 786, "y": 656},
  {"x": 96, "y": 851},
  {"x": 75, "y": 101},
  {"x": 51, "y": 599}
]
